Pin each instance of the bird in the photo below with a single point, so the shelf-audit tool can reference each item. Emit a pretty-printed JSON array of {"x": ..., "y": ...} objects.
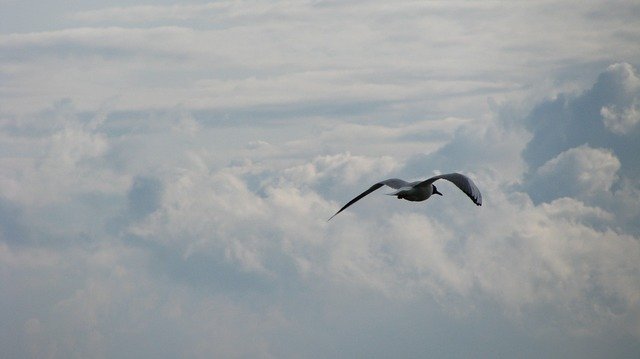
[{"x": 421, "y": 190}]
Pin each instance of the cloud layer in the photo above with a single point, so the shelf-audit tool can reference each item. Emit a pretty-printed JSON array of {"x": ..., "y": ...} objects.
[{"x": 168, "y": 171}]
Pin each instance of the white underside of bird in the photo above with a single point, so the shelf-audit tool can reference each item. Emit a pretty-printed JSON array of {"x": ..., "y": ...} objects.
[{"x": 422, "y": 190}]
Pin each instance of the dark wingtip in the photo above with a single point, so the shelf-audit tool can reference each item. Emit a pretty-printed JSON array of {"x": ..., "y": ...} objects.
[
  {"x": 371, "y": 189},
  {"x": 334, "y": 215}
]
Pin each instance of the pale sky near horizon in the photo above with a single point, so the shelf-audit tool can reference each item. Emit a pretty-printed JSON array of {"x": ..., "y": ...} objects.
[{"x": 167, "y": 170}]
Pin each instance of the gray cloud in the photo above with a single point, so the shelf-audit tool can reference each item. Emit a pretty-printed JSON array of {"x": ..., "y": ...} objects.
[
  {"x": 12, "y": 228},
  {"x": 144, "y": 197}
]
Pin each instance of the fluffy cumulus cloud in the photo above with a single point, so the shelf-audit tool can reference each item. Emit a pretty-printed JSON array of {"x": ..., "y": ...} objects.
[
  {"x": 602, "y": 116},
  {"x": 168, "y": 171},
  {"x": 621, "y": 121},
  {"x": 579, "y": 171},
  {"x": 623, "y": 116}
]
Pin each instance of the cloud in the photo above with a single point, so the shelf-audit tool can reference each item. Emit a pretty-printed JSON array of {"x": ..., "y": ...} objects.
[
  {"x": 12, "y": 228},
  {"x": 145, "y": 196},
  {"x": 576, "y": 151},
  {"x": 621, "y": 121},
  {"x": 204, "y": 241},
  {"x": 483, "y": 145},
  {"x": 589, "y": 118},
  {"x": 622, "y": 117},
  {"x": 136, "y": 14},
  {"x": 55, "y": 156},
  {"x": 204, "y": 55},
  {"x": 175, "y": 203},
  {"x": 102, "y": 302},
  {"x": 578, "y": 173}
]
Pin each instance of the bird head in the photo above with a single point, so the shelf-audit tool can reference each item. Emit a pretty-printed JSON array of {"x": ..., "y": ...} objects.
[{"x": 435, "y": 191}]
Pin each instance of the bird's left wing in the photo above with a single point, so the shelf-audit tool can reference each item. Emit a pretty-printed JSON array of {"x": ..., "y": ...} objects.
[{"x": 392, "y": 182}]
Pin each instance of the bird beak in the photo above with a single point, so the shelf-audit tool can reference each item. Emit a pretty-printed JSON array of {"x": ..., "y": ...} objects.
[{"x": 436, "y": 192}]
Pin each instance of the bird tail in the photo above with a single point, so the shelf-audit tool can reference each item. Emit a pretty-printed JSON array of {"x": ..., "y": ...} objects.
[{"x": 394, "y": 193}]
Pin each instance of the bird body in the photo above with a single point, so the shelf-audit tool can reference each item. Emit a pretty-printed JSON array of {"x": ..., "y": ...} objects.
[
  {"x": 422, "y": 190},
  {"x": 415, "y": 193}
]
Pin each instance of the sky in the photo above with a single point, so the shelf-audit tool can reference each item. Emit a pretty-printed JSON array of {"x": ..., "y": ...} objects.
[{"x": 168, "y": 169}]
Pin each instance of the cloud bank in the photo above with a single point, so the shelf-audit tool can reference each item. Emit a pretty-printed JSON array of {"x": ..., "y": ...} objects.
[{"x": 168, "y": 170}]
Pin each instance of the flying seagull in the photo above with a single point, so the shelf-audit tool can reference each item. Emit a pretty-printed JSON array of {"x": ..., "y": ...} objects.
[{"x": 422, "y": 190}]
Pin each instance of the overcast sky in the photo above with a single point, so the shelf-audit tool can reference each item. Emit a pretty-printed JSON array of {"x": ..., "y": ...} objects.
[{"x": 167, "y": 171}]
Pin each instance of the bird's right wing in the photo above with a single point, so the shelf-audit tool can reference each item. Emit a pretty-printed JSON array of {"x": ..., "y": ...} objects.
[
  {"x": 392, "y": 182},
  {"x": 461, "y": 181}
]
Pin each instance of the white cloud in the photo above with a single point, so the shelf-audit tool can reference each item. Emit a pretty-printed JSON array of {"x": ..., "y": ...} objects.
[
  {"x": 176, "y": 204},
  {"x": 221, "y": 11},
  {"x": 621, "y": 121},
  {"x": 205, "y": 227},
  {"x": 570, "y": 121},
  {"x": 224, "y": 54},
  {"x": 578, "y": 172},
  {"x": 60, "y": 159},
  {"x": 136, "y": 14},
  {"x": 623, "y": 118}
]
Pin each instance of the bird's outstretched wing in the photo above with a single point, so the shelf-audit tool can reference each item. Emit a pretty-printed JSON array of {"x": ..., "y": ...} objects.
[
  {"x": 463, "y": 182},
  {"x": 392, "y": 182}
]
